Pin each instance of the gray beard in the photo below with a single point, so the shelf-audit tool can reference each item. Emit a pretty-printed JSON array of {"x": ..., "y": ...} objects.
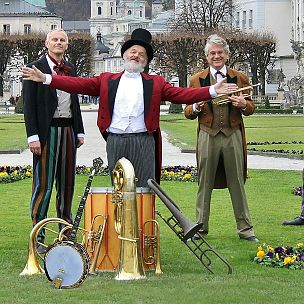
[{"x": 133, "y": 67}]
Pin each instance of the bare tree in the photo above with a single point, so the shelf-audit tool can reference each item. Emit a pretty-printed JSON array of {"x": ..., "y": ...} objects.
[
  {"x": 199, "y": 16},
  {"x": 30, "y": 47},
  {"x": 258, "y": 49},
  {"x": 7, "y": 48},
  {"x": 80, "y": 52},
  {"x": 178, "y": 54}
]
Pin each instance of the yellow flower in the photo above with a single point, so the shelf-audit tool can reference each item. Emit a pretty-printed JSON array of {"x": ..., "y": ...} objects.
[
  {"x": 287, "y": 260},
  {"x": 260, "y": 253},
  {"x": 171, "y": 173},
  {"x": 28, "y": 173},
  {"x": 187, "y": 176},
  {"x": 299, "y": 245},
  {"x": 15, "y": 172},
  {"x": 3, "y": 174},
  {"x": 260, "y": 248},
  {"x": 293, "y": 259},
  {"x": 269, "y": 248}
]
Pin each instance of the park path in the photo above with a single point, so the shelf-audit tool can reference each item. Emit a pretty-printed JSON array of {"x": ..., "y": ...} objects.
[{"x": 95, "y": 147}]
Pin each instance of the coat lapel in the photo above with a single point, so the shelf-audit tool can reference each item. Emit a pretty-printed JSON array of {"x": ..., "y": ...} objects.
[
  {"x": 148, "y": 88},
  {"x": 113, "y": 86}
]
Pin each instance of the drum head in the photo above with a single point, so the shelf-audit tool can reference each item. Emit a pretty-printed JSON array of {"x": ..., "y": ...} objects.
[{"x": 65, "y": 262}]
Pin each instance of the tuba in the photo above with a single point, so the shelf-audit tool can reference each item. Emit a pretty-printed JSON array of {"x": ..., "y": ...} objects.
[{"x": 130, "y": 263}]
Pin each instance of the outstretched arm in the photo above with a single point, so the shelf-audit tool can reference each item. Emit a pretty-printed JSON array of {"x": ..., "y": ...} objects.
[{"x": 33, "y": 74}]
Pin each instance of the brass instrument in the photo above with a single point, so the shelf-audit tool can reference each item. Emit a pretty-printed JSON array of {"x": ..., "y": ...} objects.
[
  {"x": 223, "y": 98},
  {"x": 151, "y": 247},
  {"x": 130, "y": 263},
  {"x": 32, "y": 266},
  {"x": 185, "y": 230},
  {"x": 93, "y": 237}
]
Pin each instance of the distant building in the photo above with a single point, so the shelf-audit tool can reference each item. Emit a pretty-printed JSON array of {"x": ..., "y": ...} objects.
[
  {"x": 23, "y": 17},
  {"x": 283, "y": 18},
  {"x": 76, "y": 26}
]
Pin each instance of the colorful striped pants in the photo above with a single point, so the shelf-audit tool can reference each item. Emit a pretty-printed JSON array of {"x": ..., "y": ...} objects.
[{"x": 56, "y": 162}]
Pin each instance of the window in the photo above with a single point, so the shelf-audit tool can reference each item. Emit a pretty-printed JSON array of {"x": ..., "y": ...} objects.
[
  {"x": 6, "y": 29},
  {"x": 99, "y": 10},
  {"x": 129, "y": 12},
  {"x": 244, "y": 19},
  {"x": 237, "y": 21},
  {"x": 111, "y": 10},
  {"x": 250, "y": 21},
  {"x": 53, "y": 27},
  {"x": 27, "y": 29}
]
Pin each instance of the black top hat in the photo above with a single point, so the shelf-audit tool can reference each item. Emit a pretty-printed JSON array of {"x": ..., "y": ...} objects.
[{"x": 140, "y": 37}]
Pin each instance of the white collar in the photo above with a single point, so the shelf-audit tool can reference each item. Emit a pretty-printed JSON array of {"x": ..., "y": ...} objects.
[
  {"x": 131, "y": 75},
  {"x": 222, "y": 70}
]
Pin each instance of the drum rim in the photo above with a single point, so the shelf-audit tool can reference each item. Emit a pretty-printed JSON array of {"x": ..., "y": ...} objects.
[{"x": 109, "y": 190}]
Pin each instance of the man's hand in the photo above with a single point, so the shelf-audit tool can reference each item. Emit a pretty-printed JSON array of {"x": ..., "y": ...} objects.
[
  {"x": 80, "y": 141},
  {"x": 33, "y": 74},
  {"x": 222, "y": 87},
  {"x": 35, "y": 147},
  {"x": 238, "y": 101}
]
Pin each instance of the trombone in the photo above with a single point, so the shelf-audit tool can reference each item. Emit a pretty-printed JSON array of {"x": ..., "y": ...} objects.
[{"x": 223, "y": 98}]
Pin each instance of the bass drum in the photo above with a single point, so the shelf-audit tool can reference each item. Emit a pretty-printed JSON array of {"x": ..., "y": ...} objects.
[
  {"x": 66, "y": 264},
  {"x": 99, "y": 202}
]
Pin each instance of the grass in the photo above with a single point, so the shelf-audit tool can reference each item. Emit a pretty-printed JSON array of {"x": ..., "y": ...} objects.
[
  {"x": 270, "y": 200},
  {"x": 275, "y": 128},
  {"x": 12, "y": 127},
  {"x": 182, "y": 132}
]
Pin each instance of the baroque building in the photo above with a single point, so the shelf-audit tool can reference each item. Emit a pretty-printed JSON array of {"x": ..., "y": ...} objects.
[
  {"x": 22, "y": 17},
  {"x": 264, "y": 16}
]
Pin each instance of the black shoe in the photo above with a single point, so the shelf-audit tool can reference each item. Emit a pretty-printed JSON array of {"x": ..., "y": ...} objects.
[
  {"x": 251, "y": 239},
  {"x": 296, "y": 221}
]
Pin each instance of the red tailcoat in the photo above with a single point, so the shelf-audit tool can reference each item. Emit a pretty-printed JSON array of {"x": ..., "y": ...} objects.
[{"x": 155, "y": 88}]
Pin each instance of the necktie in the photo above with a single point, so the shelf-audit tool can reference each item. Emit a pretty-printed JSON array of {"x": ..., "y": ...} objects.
[
  {"x": 220, "y": 73},
  {"x": 60, "y": 68}
]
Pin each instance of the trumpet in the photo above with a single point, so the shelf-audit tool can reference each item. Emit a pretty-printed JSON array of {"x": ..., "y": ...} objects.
[
  {"x": 151, "y": 247},
  {"x": 95, "y": 238},
  {"x": 223, "y": 98}
]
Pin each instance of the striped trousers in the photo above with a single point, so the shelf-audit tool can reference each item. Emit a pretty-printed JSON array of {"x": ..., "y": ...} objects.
[
  {"x": 56, "y": 162},
  {"x": 139, "y": 149}
]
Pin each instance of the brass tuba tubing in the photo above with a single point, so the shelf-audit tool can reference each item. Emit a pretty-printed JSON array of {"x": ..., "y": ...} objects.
[
  {"x": 223, "y": 98},
  {"x": 130, "y": 263}
]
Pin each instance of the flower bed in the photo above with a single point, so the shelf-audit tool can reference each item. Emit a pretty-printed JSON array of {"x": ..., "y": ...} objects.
[
  {"x": 281, "y": 257},
  {"x": 9, "y": 174}
]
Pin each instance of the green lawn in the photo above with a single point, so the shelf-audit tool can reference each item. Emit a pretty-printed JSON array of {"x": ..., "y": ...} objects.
[
  {"x": 184, "y": 278},
  {"x": 259, "y": 128},
  {"x": 12, "y": 133},
  {"x": 182, "y": 132}
]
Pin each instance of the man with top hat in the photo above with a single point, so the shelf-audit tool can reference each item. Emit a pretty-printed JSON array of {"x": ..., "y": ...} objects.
[
  {"x": 129, "y": 107},
  {"x": 54, "y": 132}
]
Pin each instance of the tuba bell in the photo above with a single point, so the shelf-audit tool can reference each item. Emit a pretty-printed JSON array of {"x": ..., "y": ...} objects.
[{"x": 130, "y": 263}]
